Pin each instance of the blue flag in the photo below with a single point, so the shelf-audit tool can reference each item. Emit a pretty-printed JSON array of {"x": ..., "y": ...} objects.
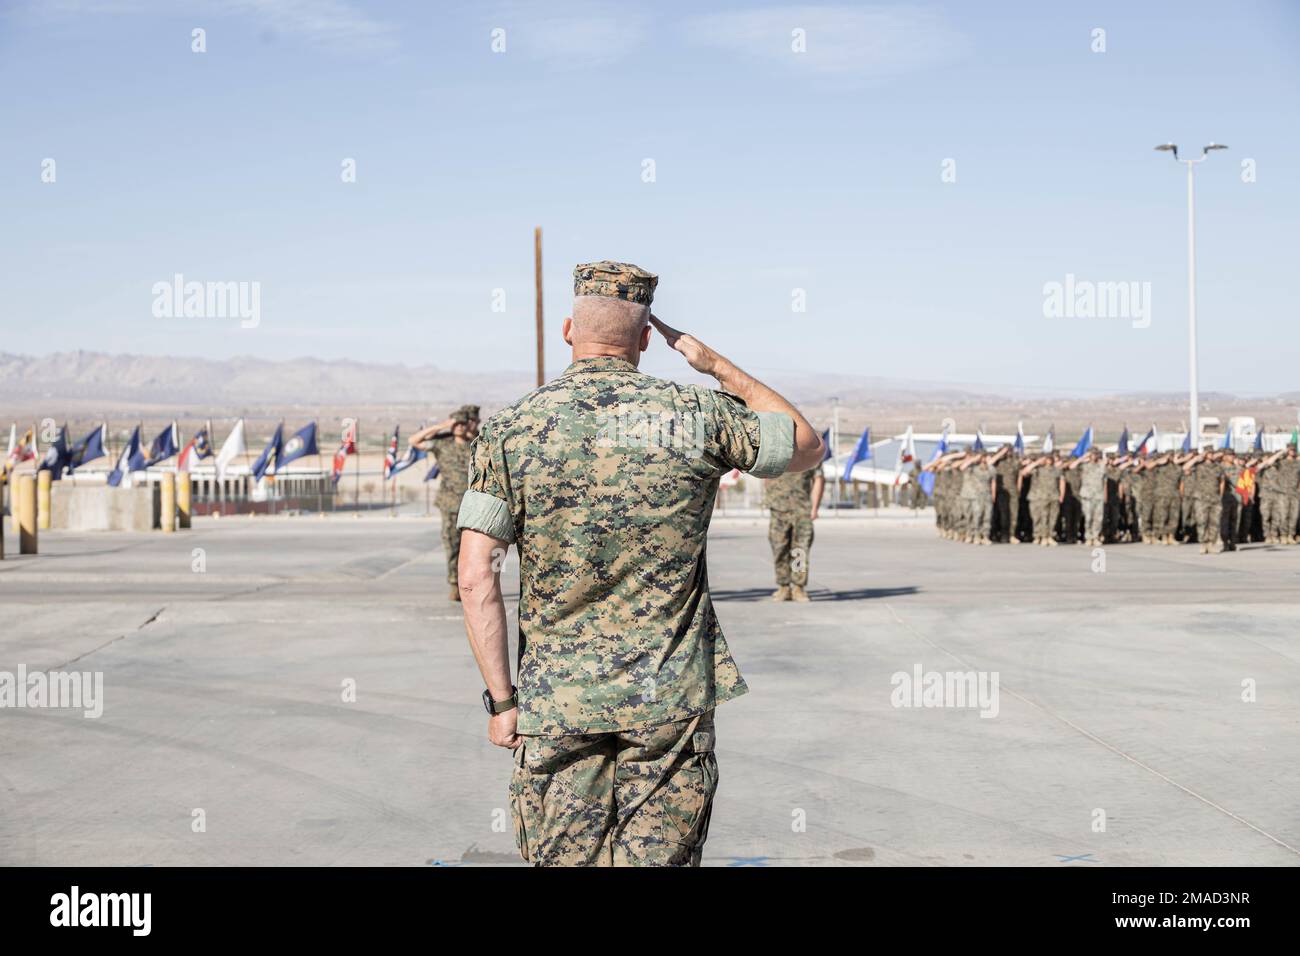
[
  {"x": 131, "y": 460},
  {"x": 926, "y": 480},
  {"x": 270, "y": 454},
  {"x": 826, "y": 440},
  {"x": 164, "y": 446},
  {"x": 434, "y": 472},
  {"x": 1085, "y": 442},
  {"x": 56, "y": 457},
  {"x": 1123, "y": 442},
  {"x": 1187, "y": 442},
  {"x": 1145, "y": 447},
  {"x": 412, "y": 455},
  {"x": 1019, "y": 444},
  {"x": 1227, "y": 440},
  {"x": 88, "y": 449},
  {"x": 1259, "y": 440},
  {"x": 979, "y": 441},
  {"x": 861, "y": 452},
  {"x": 303, "y": 442}
]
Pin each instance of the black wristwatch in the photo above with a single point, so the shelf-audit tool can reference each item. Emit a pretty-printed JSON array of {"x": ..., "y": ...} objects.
[{"x": 501, "y": 706}]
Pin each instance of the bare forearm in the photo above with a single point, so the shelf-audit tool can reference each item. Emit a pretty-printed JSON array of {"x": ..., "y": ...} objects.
[
  {"x": 760, "y": 398},
  {"x": 485, "y": 624}
]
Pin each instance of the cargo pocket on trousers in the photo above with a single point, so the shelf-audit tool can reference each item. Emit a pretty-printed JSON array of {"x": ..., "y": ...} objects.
[
  {"x": 519, "y": 802},
  {"x": 693, "y": 787}
]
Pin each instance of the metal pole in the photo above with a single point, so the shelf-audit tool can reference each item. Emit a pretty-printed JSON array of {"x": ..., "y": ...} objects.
[
  {"x": 1195, "y": 420},
  {"x": 537, "y": 268},
  {"x": 835, "y": 453}
]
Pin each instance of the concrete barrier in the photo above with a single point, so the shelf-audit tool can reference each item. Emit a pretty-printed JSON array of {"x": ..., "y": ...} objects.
[{"x": 101, "y": 508}]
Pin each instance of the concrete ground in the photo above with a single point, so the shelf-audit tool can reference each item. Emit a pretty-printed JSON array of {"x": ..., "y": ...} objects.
[{"x": 1121, "y": 736}]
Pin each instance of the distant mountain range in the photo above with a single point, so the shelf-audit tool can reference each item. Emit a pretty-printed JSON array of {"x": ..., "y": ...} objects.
[{"x": 86, "y": 386}]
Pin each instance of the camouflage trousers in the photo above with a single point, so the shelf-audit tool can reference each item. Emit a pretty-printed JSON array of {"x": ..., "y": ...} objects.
[
  {"x": 1094, "y": 513},
  {"x": 630, "y": 798},
  {"x": 791, "y": 538},
  {"x": 1164, "y": 515},
  {"x": 1208, "y": 512},
  {"x": 1043, "y": 513},
  {"x": 979, "y": 516},
  {"x": 1146, "y": 516},
  {"x": 451, "y": 542},
  {"x": 1279, "y": 513}
]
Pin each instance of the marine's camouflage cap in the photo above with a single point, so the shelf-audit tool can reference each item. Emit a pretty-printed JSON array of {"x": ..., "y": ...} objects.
[
  {"x": 471, "y": 412},
  {"x": 460, "y": 416},
  {"x": 617, "y": 280}
]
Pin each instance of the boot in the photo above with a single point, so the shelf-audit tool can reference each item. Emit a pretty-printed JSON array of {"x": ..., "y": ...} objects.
[
  {"x": 781, "y": 594},
  {"x": 799, "y": 594}
]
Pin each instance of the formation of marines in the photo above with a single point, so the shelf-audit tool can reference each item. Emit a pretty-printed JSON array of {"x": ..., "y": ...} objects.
[{"x": 1217, "y": 498}]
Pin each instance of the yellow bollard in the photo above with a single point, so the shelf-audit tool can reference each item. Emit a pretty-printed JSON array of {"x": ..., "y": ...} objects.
[
  {"x": 168, "y": 516},
  {"x": 43, "y": 481},
  {"x": 183, "y": 498},
  {"x": 25, "y": 510}
]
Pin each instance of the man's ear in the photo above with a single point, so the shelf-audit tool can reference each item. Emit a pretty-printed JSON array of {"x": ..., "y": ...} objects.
[
  {"x": 645, "y": 338},
  {"x": 566, "y": 330}
]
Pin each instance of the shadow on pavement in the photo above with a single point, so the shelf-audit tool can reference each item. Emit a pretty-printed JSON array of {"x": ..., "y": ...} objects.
[{"x": 820, "y": 594}]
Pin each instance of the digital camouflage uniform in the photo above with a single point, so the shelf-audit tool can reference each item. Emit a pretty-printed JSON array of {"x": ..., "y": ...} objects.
[
  {"x": 1144, "y": 504},
  {"x": 1091, "y": 492},
  {"x": 1291, "y": 487},
  {"x": 1165, "y": 504},
  {"x": 967, "y": 504},
  {"x": 1006, "y": 506},
  {"x": 1272, "y": 500},
  {"x": 453, "y": 478},
  {"x": 1206, "y": 503},
  {"x": 790, "y": 528},
  {"x": 1044, "y": 501},
  {"x": 1072, "y": 507},
  {"x": 605, "y": 480}
]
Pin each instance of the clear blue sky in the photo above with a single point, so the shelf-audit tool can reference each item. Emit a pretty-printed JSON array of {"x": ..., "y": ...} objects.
[{"x": 774, "y": 171}]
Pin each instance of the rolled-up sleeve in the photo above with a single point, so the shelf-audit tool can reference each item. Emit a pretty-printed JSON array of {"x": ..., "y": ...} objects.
[
  {"x": 775, "y": 444},
  {"x": 482, "y": 512},
  {"x": 485, "y": 506}
]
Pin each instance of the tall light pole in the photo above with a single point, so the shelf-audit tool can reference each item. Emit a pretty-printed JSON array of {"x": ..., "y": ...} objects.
[{"x": 1194, "y": 423}]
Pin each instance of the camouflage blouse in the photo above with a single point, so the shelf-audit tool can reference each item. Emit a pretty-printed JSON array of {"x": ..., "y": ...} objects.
[{"x": 605, "y": 479}]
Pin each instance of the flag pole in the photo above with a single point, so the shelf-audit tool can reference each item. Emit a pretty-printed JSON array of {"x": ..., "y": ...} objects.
[
  {"x": 537, "y": 275},
  {"x": 356, "y": 442},
  {"x": 835, "y": 452}
]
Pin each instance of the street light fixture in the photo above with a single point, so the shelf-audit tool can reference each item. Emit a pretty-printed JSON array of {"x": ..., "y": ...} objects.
[{"x": 1194, "y": 425}]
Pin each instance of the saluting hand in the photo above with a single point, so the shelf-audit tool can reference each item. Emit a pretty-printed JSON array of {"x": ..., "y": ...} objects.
[{"x": 698, "y": 355}]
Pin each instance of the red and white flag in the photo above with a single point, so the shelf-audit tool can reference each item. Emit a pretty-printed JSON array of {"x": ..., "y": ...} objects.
[
  {"x": 390, "y": 457},
  {"x": 348, "y": 447}
]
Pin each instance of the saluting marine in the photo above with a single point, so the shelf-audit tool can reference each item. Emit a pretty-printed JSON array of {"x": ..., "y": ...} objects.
[
  {"x": 449, "y": 442},
  {"x": 621, "y": 657}
]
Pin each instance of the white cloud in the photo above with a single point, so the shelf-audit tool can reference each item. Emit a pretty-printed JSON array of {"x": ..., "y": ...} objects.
[
  {"x": 585, "y": 34},
  {"x": 843, "y": 41},
  {"x": 338, "y": 25}
]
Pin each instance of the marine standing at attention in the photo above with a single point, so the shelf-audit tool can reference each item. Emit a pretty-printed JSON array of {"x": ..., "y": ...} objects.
[
  {"x": 794, "y": 500},
  {"x": 605, "y": 479}
]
